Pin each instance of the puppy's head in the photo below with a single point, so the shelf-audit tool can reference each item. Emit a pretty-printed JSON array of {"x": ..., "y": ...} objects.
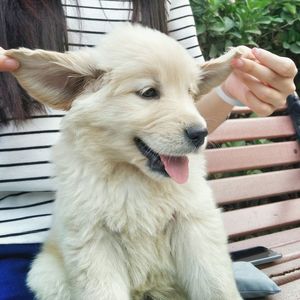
[{"x": 132, "y": 98}]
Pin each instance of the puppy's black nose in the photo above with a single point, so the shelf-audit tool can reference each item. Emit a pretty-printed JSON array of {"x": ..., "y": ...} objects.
[{"x": 196, "y": 134}]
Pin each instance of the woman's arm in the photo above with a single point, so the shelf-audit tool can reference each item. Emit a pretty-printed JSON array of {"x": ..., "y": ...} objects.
[{"x": 214, "y": 110}]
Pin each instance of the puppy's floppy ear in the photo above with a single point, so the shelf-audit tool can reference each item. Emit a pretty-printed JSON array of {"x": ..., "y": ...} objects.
[
  {"x": 53, "y": 78},
  {"x": 215, "y": 71}
]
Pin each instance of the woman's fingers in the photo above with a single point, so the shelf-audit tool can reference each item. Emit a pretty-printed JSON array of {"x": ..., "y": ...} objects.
[
  {"x": 266, "y": 75},
  {"x": 283, "y": 66},
  {"x": 262, "y": 109},
  {"x": 262, "y": 92},
  {"x": 261, "y": 80},
  {"x": 8, "y": 64},
  {"x": 243, "y": 87}
]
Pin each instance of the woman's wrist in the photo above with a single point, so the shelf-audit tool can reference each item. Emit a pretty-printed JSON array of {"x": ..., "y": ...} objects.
[
  {"x": 214, "y": 110},
  {"x": 226, "y": 97}
]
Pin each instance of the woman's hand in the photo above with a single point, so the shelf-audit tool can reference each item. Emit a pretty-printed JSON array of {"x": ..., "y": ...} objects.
[
  {"x": 261, "y": 80},
  {"x": 7, "y": 64}
]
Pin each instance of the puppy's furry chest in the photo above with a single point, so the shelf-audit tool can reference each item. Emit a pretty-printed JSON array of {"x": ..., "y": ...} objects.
[
  {"x": 148, "y": 257},
  {"x": 135, "y": 206},
  {"x": 142, "y": 223}
]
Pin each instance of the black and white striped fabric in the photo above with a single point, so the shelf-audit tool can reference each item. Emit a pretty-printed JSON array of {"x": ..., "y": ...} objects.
[{"x": 26, "y": 173}]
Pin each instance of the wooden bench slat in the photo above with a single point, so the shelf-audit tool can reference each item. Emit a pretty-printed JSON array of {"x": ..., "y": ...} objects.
[
  {"x": 290, "y": 251},
  {"x": 283, "y": 273},
  {"x": 290, "y": 276},
  {"x": 289, "y": 291},
  {"x": 253, "y": 128},
  {"x": 246, "y": 109},
  {"x": 273, "y": 240},
  {"x": 235, "y": 189},
  {"x": 279, "y": 266},
  {"x": 253, "y": 219},
  {"x": 252, "y": 157}
]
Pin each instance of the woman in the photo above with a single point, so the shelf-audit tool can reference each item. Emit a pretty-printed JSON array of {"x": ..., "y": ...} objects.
[{"x": 261, "y": 80}]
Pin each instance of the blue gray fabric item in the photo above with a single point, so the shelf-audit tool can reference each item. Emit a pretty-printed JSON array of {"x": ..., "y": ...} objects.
[
  {"x": 252, "y": 282},
  {"x": 15, "y": 260}
]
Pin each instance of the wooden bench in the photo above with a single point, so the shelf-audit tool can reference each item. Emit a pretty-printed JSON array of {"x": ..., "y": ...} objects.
[{"x": 261, "y": 209}]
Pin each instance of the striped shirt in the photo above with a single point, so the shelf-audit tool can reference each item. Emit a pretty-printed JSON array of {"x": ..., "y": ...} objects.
[{"x": 27, "y": 188}]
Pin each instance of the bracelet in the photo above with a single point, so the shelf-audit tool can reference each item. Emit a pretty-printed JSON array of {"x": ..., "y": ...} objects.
[{"x": 226, "y": 98}]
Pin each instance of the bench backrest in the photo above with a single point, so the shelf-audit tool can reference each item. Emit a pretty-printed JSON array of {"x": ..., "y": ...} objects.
[{"x": 268, "y": 198}]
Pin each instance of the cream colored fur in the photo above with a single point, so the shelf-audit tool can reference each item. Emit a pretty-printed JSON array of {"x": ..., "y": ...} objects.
[{"x": 121, "y": 231}]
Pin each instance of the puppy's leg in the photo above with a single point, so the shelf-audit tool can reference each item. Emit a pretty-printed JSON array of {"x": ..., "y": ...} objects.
[
  {"x": 96, "y": 268},
  {"x": 47, "y": 277},
  {"x": 203, "y": 264}
]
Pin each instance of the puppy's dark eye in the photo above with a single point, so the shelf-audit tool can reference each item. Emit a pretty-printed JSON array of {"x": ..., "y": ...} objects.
[{"x": 148, "y": 93}]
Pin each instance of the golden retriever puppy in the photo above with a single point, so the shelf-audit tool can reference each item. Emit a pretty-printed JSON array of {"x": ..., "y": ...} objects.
[{"x": 134, "y": 216}]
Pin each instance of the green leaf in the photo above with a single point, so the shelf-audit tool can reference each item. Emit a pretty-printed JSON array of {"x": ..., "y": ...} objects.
[
  {"x": 253, "y": 115},
  {"x": 241, "y": 21},
  {"x": 295, "y": 48},
  {"x": 228, "y": 24},
  {"x": 254, "y": 31},
  {"x": 213, "y": 52},
  {"x": 236, "y": 34},
  {"x": 286, "y": 45},
  {"x": 251, "y": 42},
  {"x": 253, "y": 172},
  {"x": 261, "y": 141},
  {"x": 218, "y": 27},
  {"x": 290, "y": 8},
  {"x": 234, "y": 144},
  {"x": 228, "y": 44},
  {"x": 201, "y": 28},
  {"x": 265, "y": 21},
  {"x": 277, "y": 20}
]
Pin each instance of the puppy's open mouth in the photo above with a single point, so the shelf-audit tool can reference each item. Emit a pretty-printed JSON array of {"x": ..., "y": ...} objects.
[{"x": 176, "y": 167}]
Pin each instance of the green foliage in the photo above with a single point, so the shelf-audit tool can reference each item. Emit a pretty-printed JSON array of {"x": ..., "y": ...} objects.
[{"x": 270, "y": 24}]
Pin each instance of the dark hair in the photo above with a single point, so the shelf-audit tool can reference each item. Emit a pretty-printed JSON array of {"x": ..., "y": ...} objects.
[
  {"x": 153, "y": 14},
  {"x": 27, "y": 23}
]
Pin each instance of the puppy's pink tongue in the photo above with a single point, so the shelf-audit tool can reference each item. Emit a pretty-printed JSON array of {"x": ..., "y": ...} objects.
[{"x": 177, "y": 167}]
